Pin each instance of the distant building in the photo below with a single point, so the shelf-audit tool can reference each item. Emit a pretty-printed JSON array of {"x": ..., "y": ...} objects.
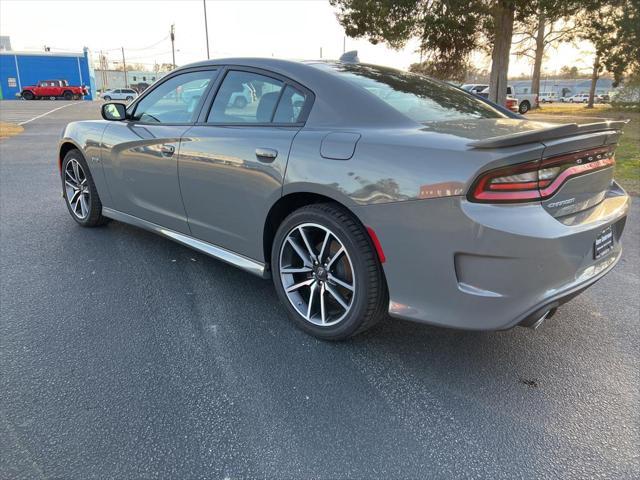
[
  {"x": 5, "y": 43},
  {"x": 20, "y": 69},
  {"x": 139, "y": 80},
  {"x": 564, "y": 87}
]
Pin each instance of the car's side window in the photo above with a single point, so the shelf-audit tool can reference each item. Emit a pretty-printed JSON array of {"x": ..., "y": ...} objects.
[
  {"x": 290, "y": 106},
  {"x": 175, "y": 100},
  {"x": 245, "y": 97}
]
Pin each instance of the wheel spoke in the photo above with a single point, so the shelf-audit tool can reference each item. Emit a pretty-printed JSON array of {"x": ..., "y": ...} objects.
[
  {"x": 297, "y": 286},
  {"x": 84, "y": 207},
  {"x": 324, "y": 244},
  {"x": 312, "y": 291},
  {"x": 335, "y": 279},
  {"x": 76, "y": 171},
  {"x": 337, "y": 297},
  {"x": 306, "y": 243},
  {"x": 75, "y": 205},
  {"x": 296, "y": 270},
  {"x": 71, "y": 185},
  {"x": 323, "y": 316},
  {"x": 306, "y": 260},
  {"x": 335, "y": 257},
  {"x": 69, "y": 174}
]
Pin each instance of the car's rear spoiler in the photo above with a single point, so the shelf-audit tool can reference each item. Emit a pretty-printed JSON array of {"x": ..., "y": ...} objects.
[{"x": 549, "y": 133}]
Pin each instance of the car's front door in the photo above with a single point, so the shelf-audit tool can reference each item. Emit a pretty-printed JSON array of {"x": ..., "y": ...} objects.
[
  {"x": 232, "y": 164},
  {"x": 141, "y": 154}
]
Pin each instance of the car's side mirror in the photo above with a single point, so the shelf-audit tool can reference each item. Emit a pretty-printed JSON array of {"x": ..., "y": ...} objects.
[{"x": 114, "y": 111}]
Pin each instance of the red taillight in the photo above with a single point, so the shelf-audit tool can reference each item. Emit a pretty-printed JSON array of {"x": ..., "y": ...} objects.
[{"x": 538, "y": 180}]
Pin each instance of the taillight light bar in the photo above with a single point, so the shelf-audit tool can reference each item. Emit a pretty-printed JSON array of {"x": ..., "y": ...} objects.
[{"x": 538, "y": 180}]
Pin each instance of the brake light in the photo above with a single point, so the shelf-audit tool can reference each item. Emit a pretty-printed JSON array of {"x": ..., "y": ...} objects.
[{"x": 535, "y": 181}]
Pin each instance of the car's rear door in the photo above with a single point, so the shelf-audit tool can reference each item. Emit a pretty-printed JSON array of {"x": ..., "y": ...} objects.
[
  {"x": 232, "y": 163},
  {"x": 141, "y": 154}
]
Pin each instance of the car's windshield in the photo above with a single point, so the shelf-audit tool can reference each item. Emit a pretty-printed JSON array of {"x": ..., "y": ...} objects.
[{"x": 418, "y": 97}]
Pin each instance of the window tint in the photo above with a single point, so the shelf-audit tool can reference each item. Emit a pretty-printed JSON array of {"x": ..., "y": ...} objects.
[
  {"x": 175, "y": 100},
  {"x": 291, "y": 106},
  {"x": 417, "y": 97},
  {"x": 245, "y": 97}
]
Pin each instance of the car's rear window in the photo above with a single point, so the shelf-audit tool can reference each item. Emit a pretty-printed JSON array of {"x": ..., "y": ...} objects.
[{"x": 418, "y": 97}]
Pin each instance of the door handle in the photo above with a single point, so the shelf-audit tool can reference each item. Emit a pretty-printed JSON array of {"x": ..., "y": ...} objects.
[
  {"x": 167, "y": 150},
  {"x": 266, "y": 154}
]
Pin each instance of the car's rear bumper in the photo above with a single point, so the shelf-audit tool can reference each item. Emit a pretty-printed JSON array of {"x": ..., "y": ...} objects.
[{"x": 474, "y": 266}]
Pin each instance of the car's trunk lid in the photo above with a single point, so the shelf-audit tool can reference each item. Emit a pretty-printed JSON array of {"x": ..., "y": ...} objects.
[
  {"x": 589, "y": 178},
  {"x": 576, "y": 167}
]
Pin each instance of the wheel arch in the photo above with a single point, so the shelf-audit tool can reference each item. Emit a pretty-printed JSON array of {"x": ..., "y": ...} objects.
[
  {"x": 286, "y": 205},
  {"x": 65, "y": 147}
]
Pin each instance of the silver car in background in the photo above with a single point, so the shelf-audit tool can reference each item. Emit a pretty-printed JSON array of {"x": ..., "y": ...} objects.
[
  {"x": 360, "y": 190},
  {"x": 126, "y": 94}
]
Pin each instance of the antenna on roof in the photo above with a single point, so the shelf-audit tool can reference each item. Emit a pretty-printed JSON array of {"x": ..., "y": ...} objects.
[{"x": 350, "y": 57}]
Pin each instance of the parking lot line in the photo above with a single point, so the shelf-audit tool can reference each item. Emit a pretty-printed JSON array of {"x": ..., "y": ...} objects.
[{"x": 45, "y": 114}]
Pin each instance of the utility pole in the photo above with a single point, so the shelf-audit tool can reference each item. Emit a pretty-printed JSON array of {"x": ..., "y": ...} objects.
[
  {"x": 206, "y": 27},
  {"x": 124, "y": 67},
  {"x": 173, "y": 49}
]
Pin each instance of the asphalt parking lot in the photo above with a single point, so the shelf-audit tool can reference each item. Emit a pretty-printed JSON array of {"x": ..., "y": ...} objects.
[
  {"x": 124, "y": 355},
  {"x": 23, "y": 111}
]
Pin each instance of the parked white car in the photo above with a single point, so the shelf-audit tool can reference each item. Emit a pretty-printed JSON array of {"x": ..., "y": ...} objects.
[
  {"x": 126, "y": 94},
  {"x": 584, "y": 98},
  {"x": 548, "y": 97},
  {"x": 526, "y": 101}
]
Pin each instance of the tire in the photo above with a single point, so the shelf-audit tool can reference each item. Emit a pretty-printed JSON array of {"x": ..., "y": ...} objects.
[
  {"x": 107, "y": 98},
  {"x": 129, "y": 98},
  {"x": 67, "y": 95},
  {"x": 359, "y": 267},
  {"x": 27, "y": 95},
  {"x": 524, "y": 107},
  {"x": 89, "y": 213},
  {"x": 240, "y": 102}
]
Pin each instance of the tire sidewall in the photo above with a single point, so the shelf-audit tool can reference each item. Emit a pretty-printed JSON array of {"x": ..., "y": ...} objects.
[
  {"x": 524, "y": 107},
  {"x": 348, "y": 325}
]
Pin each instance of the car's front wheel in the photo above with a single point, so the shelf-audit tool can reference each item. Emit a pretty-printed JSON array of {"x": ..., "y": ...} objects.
[
  {"x": 27, "y": 95},
  {"x": 79, "y": 191},
  {"x": 524, "y": 107},
  {"x": 107, "y": 98},
  {"x": 327, "y": 273}
]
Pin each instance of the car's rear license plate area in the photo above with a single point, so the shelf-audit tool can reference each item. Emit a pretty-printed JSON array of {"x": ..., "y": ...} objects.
[{"x": 603, "y": 243}]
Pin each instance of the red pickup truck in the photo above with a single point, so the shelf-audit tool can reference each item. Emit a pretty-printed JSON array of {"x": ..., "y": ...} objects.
[{"x": 54, "y": 89}]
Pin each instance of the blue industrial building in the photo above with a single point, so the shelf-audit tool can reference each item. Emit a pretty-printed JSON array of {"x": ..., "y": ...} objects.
[{"x": 20, "y": 69}]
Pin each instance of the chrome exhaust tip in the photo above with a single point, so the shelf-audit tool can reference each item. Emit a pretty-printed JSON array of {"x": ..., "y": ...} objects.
[{"x": 536, "y": 320}]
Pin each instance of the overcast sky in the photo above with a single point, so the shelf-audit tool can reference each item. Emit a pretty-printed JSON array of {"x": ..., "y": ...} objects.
[{"x": 286, "y": 29}]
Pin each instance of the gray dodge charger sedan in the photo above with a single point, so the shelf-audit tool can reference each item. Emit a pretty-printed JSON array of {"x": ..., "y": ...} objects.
[{"x": 360, "y": 190}]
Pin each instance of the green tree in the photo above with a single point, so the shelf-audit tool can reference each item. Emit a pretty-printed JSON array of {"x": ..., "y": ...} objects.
[
  {"x": 546, "y": 23},
  {"x": 449, "y": 30},
  {"x": 614, "y": 31}
]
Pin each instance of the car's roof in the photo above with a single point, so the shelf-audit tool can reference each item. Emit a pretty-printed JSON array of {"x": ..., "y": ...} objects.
[{"x": 338, "y": 102}]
